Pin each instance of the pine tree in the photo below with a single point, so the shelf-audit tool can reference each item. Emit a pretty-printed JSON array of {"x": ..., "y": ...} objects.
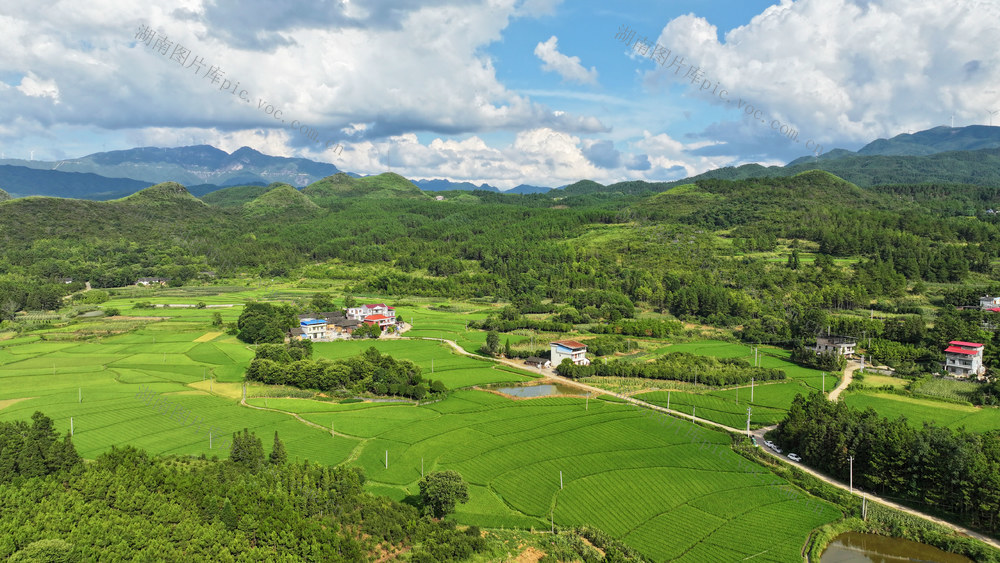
[
  {"x": 228, "y": 515},
  {"x": 278, "y": 454},
  {"x": 247, "y": 450}
]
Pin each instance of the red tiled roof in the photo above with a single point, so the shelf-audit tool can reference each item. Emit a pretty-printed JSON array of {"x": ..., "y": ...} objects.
[
  {"x": 375, "y": 305},
  {"x": 960, "y": 343},
  {"x": 957, "y": 350},
  {"x": 572, "y": 344},
  {"x": 376, "y": 318}
]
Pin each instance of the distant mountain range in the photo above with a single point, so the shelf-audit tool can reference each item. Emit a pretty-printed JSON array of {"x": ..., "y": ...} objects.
[
  {"x": 922, "y": 143},
  {"x": 942, "y": 154},
  {"x": 200, "y": 164},
  {"x": 448, "y": 185}
]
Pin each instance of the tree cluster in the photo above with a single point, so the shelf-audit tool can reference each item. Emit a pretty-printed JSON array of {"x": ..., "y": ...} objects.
[
  {"x": 677, "y": 366},
  {"x": 34, "y": 450},
  {"x": 955, "y": 471},
  {"x": 368, "y": 372},
  {"x": 240, "y": 510}
]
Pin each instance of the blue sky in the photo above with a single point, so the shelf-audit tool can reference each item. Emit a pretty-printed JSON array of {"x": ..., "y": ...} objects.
[{"x": 497, "y": 91}]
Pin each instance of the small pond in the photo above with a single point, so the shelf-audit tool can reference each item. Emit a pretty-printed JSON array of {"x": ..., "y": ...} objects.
[
  {"x": 544, "y": 390},
  {"x": 854, "y": 547}
]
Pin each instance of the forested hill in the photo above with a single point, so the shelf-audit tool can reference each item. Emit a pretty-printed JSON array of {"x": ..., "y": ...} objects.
[
  {"x": 684, "y": 245},
  {"x": 931, "y": 141}
]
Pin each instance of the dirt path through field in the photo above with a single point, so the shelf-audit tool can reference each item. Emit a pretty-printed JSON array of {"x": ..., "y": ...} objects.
[{"x": 852, "y": 366}]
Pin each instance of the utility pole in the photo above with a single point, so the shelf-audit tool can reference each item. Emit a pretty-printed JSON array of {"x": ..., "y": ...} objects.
[
  {"x": 80, "y": 395},
  {"x": 387, "y": 459},
  {"x": 71, "y": 426},
  {"x": 748, "y": 422},
  {"x": 560, "y": 480},
  {"x": 851, "y": 459},
  {"x": 751, "y": 389}
]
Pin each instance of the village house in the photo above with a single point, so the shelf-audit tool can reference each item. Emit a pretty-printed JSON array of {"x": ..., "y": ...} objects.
[
  {"x": 964, "y": 359},
  {"x": 842, "y": 345},
  {"x": 989, "y": 302},
  {"x": 324, "y": 327},
  {"x": 536, "y": 362},
  {"x": 571, "y": 349},
  {"x": 313, "y": 329},
  {"x": 152, "y": 281},
  {"x": 382, "y": 321},
  {"x": 364, "y": 311}
]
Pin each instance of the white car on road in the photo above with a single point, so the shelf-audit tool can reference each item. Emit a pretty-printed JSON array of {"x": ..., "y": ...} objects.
[{"x": 794, "y": 457}]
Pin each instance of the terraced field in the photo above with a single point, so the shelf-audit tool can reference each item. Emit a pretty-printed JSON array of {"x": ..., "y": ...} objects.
[{"x": 673, "y": 490}]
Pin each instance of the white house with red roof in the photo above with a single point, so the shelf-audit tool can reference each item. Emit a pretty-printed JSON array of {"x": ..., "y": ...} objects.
[
  {"x": 382, "y": 321},
  {"x": 964, "y": 359},
  {"x": 568, "y": 349}
]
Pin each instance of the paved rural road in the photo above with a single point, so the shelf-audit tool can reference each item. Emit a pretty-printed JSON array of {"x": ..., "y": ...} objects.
[
  {"x": 852, "y": 366},
  {"x": 759, "y": 433}
]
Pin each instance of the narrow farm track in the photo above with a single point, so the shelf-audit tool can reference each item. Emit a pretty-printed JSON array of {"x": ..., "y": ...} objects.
[{"x": 852, "y": 367}]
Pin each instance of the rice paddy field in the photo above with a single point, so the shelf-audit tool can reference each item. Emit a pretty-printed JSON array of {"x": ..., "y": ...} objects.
[
  {"x": 770, "y": 400},
  {"x": 673, "y": 490}
]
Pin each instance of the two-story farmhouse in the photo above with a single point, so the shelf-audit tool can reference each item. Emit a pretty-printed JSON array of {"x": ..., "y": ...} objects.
[
  {"x": 360, "y": 313},
  {"x": 841, "y": 345},
  {"x": 964, "y": 359},
  {"x": 563, "y": 349}
]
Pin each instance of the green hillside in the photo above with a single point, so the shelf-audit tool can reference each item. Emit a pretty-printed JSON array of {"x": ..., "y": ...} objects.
[
  {"x": 4, "y": 196},
  {"x": 167, "y": 193},
  {"x": 235, "y": 196},
  {"x": 387, "y": 185},
  {"x": 280, "y": 199}
]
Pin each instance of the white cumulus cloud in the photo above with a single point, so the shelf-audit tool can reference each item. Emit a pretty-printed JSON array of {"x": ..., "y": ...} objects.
[{"x": 569, "y": 68}]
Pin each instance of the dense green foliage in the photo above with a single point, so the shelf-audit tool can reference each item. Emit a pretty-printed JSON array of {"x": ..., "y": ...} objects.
[
  {"x": 441, "y": 491},
  {"x": 129, "y": 505},
  {"x": 34, "y": 450},
  {"x": 369, "y": 372},
  {"x": 265, "y": 322},
  {"x": 677, "y": 366},
  {"x": 957, "y": 472}
]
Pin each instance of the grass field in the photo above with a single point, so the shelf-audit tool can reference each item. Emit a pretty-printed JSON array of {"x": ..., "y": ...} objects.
[{"x": 918, "y": 411}]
